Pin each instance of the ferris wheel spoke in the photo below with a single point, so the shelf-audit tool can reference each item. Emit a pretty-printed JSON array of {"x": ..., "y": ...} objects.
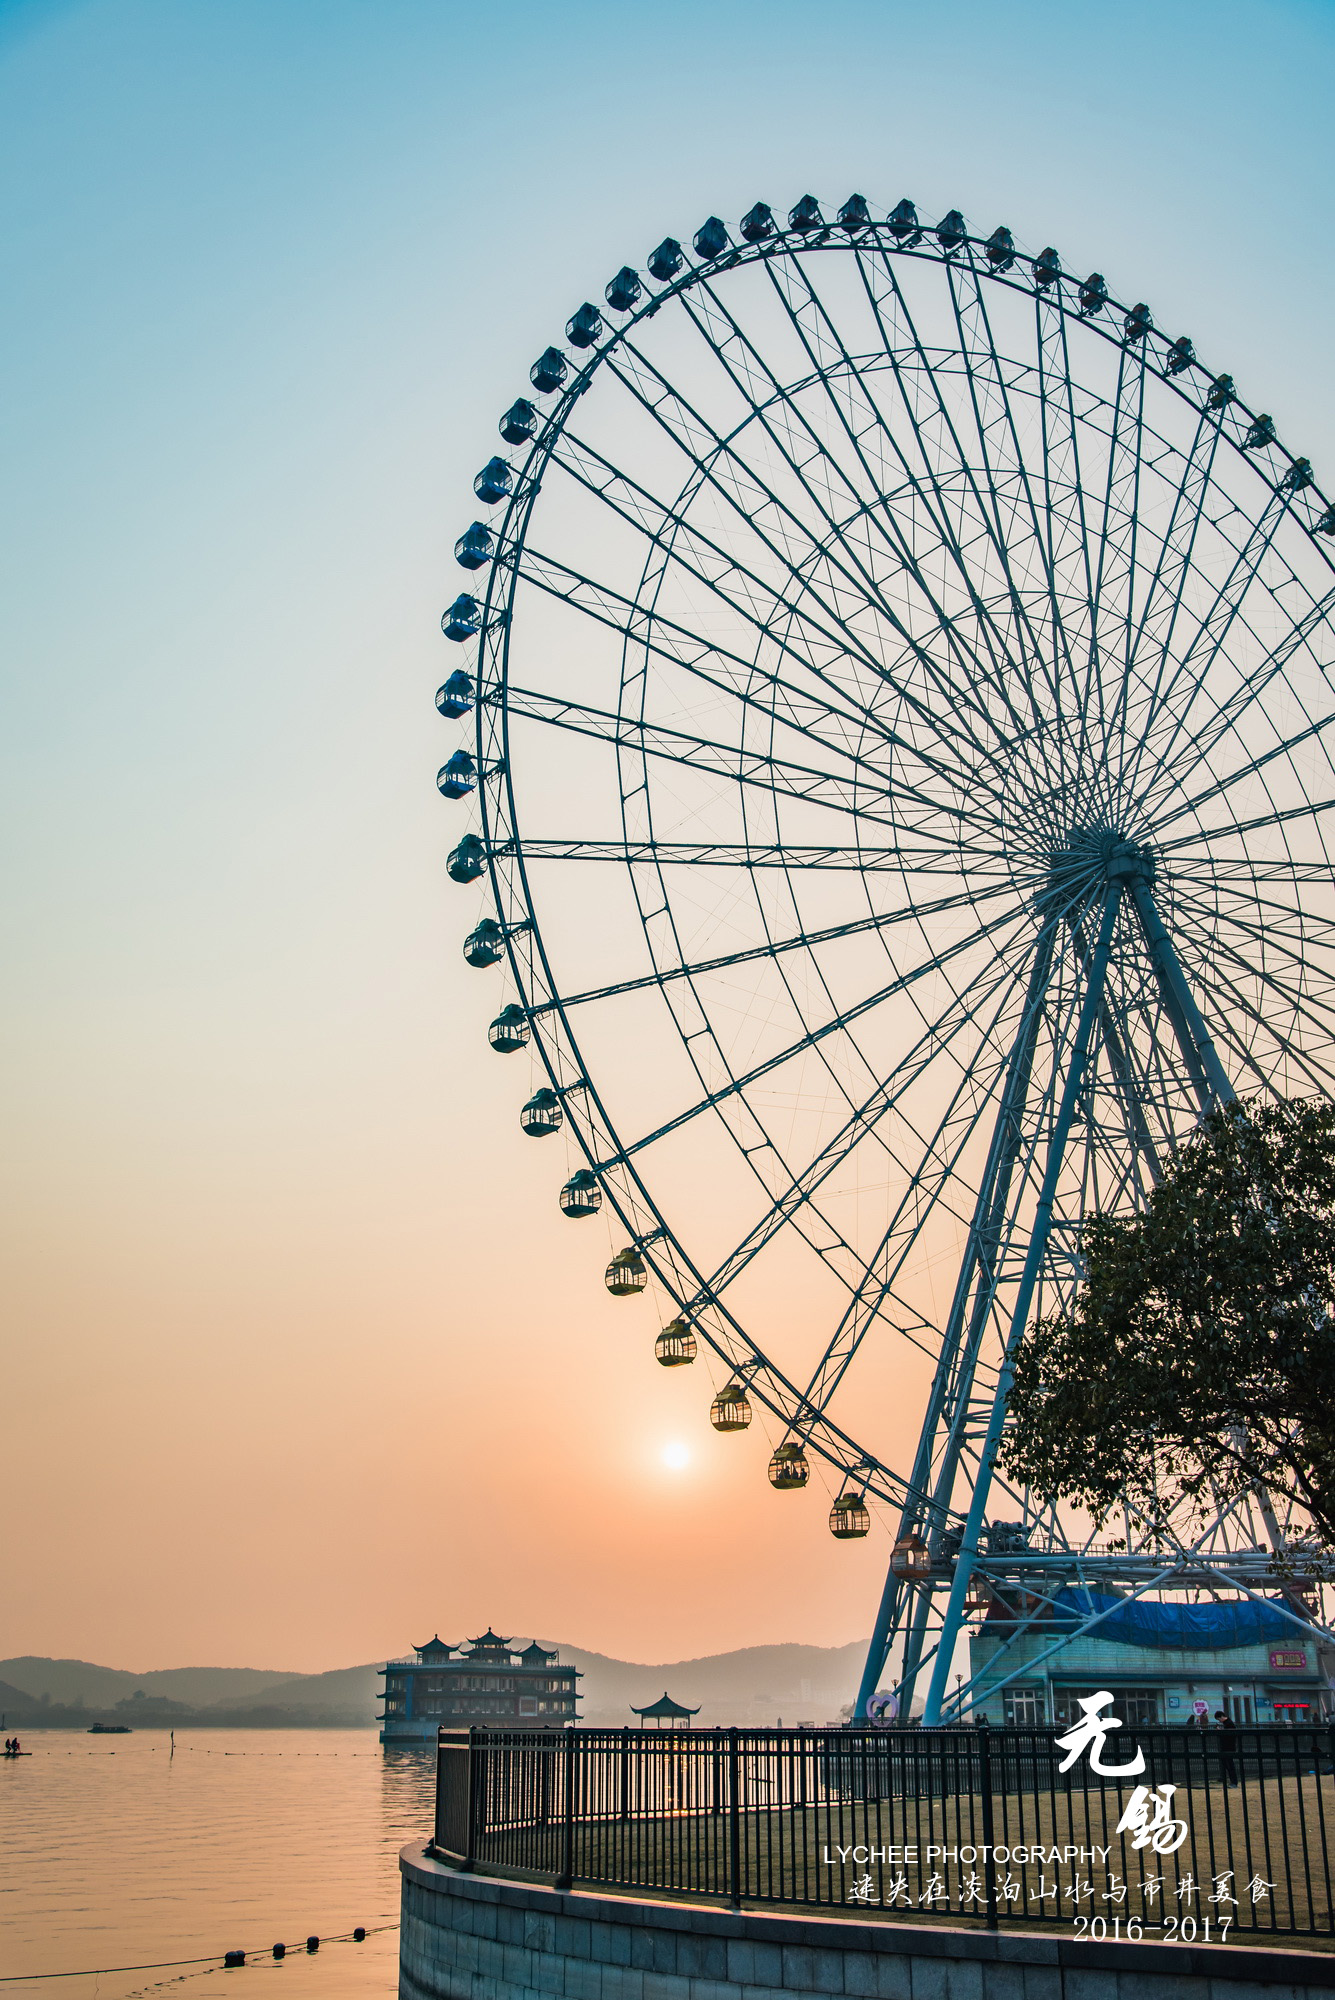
[
  {"x": 925, "y": 408},
  {"x": 972, "y": 665},
  {"x": 969, "y": 899},
  {"x": 1274, "y": 945},
  {"x": 1298, "y": 1002},
  {"x": 715, "y": 854},
  {"x": 1212, "y": 629},
  {"x": 771, "y": 402},
  {"x": 759, "y": 603},
  {"x": 726, "y": 1336},
  {"x": 824, "y": 344},
  {"x": 1118, "y": 499},
  {"x": 1229, "y": 999},
  {"x": 1070, "y": 564},
  {"x": 1004, "y": 461},
  {"x": 711, "y": 446},
  {"x": 718, "y": 760},
  {"x": 942, "y": 1156},
  {"x": 1313, "y": 731},
  {"x": 1162, "y": 602},
  {"x": 698, "y": 1037},
  {"x": 1203, "y": 870},
  {"x": 1232, "y": 996},
  {"x": 751, "y": 498},
  {"x": 684, "y": 1282},
  {"x": 737, "y": 1086},
  {"x": 1106, "y": 576},
  {"x": 955, "y": 1019},
  {"x": 675, "y": 644},
  {"x": 1113, "y": 600},
  {"x": 1229, "y": 713},
  {"x": 1285, "y": 925},
  {"x": 1262, "y": 823}
]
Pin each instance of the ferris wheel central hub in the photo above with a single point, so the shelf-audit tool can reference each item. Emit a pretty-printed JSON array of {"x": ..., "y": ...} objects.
[
  {"x": 1124, "y": 861},
  {"x": 1091, "y": 858}
]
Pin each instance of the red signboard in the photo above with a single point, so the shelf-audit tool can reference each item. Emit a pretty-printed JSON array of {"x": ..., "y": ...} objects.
[{"x": 1283, "y": 1662}]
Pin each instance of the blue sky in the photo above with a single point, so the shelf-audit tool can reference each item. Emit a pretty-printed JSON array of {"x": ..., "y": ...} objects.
[{"x": 271, "y": 273}]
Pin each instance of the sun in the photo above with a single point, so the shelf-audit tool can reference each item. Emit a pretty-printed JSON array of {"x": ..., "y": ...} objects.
[{"x": 676, "y": 1457}]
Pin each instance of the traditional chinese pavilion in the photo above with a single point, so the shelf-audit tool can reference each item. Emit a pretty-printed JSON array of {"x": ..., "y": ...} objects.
[{"x": 665, "y": 1713}]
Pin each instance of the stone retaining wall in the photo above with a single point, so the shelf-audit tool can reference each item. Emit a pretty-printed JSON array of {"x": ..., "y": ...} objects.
[{"x": 476, "y": 1937}]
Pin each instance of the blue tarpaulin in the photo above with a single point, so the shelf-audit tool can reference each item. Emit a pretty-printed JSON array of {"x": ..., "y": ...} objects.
[{"x": 1187, "y": 1627}]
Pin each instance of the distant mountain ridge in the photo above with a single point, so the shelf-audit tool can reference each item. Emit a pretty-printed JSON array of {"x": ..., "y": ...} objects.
[
  {"x": 752, "y": 1686},
  {"x": 80, "y": 1681}
]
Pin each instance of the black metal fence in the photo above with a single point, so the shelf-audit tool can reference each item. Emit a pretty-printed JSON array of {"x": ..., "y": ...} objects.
[{"x": 1225, "y": 1832}]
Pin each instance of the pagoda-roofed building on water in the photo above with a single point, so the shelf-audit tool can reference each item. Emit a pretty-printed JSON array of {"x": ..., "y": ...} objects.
[{"x": 483, "y": 1682}]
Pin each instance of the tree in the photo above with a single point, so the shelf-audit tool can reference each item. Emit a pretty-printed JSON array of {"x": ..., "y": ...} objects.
[{"x": 1199, "y": 1358}]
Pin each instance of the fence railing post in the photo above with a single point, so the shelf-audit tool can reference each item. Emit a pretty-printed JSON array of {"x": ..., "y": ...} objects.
[
  {"x": 567, "y": 1875},
  {"x": 454, "y": 1835},
  {"x": 989, "y": 1855},
  {"x": 734, "y": 1821},
  {"x": 438, "y": 1830},
  {"x": 474, "y": 1803}
]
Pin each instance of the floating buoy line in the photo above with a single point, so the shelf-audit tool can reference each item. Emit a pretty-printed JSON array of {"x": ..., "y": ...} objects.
[
  {"x": 229, "y": 1960},
  {"x": 183, "y": 1748}
]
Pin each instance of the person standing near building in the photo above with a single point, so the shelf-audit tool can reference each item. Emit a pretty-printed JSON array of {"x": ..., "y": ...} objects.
[{"x": 1228, "y": 1747}]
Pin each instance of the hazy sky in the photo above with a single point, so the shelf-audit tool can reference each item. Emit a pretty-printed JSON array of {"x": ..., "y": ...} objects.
[{"x": 300, "y": 1361}]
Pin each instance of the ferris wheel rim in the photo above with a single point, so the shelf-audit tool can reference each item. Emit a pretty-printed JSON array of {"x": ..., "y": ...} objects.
[{"x": 793, "y": 242}]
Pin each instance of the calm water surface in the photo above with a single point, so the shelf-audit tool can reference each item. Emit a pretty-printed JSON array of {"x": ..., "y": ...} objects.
[{"x": 113, "y": 1852}]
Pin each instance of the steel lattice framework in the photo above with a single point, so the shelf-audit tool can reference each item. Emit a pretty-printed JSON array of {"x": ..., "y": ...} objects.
[{"x": 934, "y": 660}]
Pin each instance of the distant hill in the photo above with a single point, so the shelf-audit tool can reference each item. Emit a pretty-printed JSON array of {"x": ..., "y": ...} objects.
[
  {"x": 74, "y": 1693},
  {"x": 344, "y": 1694},
  {"x": 753, "y": 1686},
  {"x": 79, "y": 1681},
  {"x": 13, "y": 1701}
]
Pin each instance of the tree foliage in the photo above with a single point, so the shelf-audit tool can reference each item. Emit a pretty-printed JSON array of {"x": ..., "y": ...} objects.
[{"x": 1199, "y": 1358}]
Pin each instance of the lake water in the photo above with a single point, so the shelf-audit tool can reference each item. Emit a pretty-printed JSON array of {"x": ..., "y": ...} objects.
[{"x": 115, "y": 1853}]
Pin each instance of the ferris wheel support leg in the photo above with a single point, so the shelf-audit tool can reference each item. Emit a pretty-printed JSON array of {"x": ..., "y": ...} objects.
[
  {"x": 953, "y": 1617},
  {"x": 914, "y": 1641},
  {"x": 1198, "y": 1050},
  {"x": 878, "y": 1652},
  {"x": 954, "y": 1370},
  {"x": 1137, "y": 1126},
  {"x": 1195, "y": 1040}
]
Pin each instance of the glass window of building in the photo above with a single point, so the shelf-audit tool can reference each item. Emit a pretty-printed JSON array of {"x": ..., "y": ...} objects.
[{"x": 1024, "y": 1706}]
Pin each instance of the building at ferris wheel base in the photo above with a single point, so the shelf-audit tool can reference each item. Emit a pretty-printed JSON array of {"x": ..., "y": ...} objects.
[{"x": 1165, "y": 1662}]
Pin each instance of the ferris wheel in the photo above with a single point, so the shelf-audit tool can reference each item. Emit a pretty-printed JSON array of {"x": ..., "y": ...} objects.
[{"x": 902, "y": 688}]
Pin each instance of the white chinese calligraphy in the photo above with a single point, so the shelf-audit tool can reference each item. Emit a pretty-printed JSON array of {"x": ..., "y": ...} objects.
[
  {"x": 1091, "y": 1733},
  {"x": 1149, "y": 1818}
]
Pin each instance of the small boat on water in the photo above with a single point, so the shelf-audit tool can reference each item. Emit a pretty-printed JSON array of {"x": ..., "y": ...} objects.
[{"x": 111, "y": 1729}]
